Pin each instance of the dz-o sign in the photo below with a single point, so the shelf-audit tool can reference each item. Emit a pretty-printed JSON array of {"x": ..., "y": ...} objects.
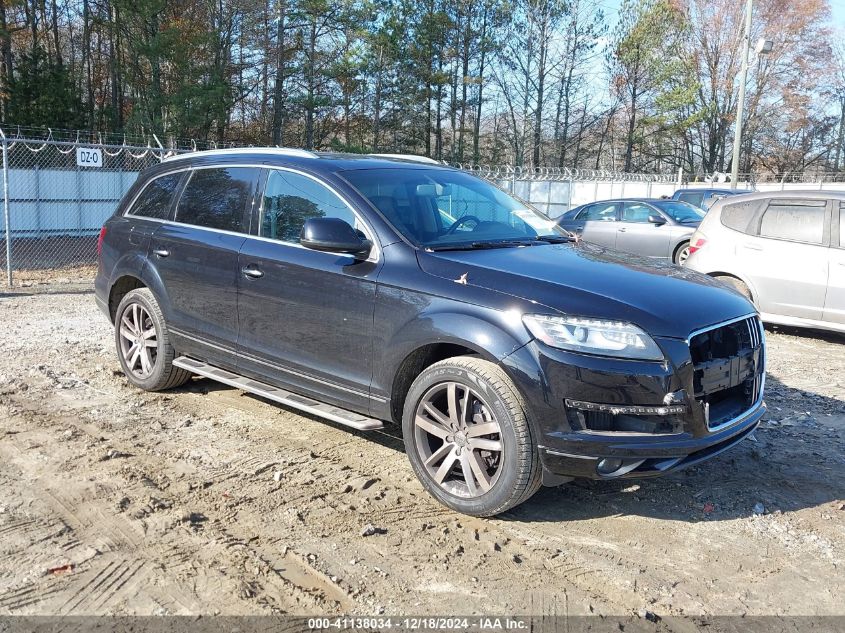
[{"x": 89, "y": 157}]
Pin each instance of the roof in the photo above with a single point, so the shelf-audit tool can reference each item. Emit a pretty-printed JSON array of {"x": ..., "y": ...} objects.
[
  {"x": 307, "y": 158},
  {"x": 812, "y": 194}
]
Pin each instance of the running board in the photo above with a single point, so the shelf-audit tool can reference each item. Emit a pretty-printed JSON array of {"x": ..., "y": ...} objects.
[{"x": 287, "y": 398}]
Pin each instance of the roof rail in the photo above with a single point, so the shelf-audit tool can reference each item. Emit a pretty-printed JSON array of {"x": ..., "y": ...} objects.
[
  {"x": 277, "y": 151},
  {"x": 410, "y": 157}
]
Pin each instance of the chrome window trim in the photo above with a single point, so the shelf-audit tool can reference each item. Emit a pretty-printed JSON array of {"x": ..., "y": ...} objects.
[{"x": 374, "y": 257}]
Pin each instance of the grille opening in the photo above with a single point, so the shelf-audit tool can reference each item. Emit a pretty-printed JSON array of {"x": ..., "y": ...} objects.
[
  {"x": 728, "y": 369},
  {"x": 607, "y": 422}
]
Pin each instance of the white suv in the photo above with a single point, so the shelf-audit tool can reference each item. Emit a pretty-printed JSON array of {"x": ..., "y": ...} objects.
[{"x": 783, "y": 250}]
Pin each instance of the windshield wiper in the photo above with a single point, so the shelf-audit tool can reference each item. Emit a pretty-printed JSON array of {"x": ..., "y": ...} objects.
[
  {"x": 466, "y": 246},
  {"x": 555, "y": 239}
]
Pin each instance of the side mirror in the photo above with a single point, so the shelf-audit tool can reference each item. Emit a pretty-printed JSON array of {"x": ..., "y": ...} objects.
[
  {"x": 657, "y": 220},
  {"x": 333, "y": 235}
]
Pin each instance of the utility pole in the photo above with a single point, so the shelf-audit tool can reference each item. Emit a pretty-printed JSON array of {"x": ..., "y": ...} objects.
[{"x": 740, "y": 106}]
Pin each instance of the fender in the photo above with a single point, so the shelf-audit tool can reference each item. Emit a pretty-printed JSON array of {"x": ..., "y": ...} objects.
[
  {"x": 139, "y": 266},
  {"x": 493, "y": 334}
]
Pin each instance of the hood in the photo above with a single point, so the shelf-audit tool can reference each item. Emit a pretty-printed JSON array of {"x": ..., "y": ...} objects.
[{"x": 587, "y": 280}]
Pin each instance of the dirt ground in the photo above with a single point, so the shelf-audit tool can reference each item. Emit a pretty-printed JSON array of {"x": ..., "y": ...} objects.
[{"x": 204, "y": 500}]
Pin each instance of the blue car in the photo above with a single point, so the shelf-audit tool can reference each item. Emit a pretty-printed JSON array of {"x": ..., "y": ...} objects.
[{"x": 704, "y": 197}]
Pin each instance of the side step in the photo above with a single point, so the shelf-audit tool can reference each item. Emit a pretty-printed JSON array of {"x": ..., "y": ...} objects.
[{"x": 287, "y": 398}]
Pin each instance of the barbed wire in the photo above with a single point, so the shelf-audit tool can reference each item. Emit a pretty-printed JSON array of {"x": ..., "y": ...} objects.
[{"x": 138, "y": 147}]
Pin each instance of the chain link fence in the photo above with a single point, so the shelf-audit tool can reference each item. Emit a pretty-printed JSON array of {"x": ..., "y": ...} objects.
[
  {"x": 56, "y": 196},
  {"x": 58, "y": 190}
]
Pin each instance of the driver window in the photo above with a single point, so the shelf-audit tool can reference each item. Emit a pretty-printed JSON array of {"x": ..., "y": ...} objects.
[
  {"x": 290, "y": 199},
  {"x": 636, "y": 212}
]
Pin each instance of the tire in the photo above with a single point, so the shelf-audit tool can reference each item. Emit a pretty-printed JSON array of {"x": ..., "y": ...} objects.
[
  {"x": 736, "y": 284},
  {"x": 151, "y": 368},
  {"x": 493, "y": 442},
  {"x": 681, "y": 253}
]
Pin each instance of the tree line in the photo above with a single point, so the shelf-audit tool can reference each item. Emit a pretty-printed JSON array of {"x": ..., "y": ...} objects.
[{"x": 647, "y": 85}]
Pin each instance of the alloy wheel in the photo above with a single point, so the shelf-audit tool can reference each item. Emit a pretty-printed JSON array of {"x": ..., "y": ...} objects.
[
  {"x": 138, "y": 340},
  {"x": 683, "y": 255},
  {"x": 458, "y": 439}
]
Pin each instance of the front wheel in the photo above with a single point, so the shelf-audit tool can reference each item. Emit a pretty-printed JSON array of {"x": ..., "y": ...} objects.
[{"x": 468, "y": 438}]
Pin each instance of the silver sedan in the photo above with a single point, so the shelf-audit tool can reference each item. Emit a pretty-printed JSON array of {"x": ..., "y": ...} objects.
[{"x": 654, "y": 228}]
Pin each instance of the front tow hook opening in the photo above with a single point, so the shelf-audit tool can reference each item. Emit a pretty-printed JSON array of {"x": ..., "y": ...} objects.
[{"x": 610, "y": 467}]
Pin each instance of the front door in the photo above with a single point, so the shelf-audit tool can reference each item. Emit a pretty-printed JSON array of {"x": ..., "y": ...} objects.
[
  {"x": 196, "y": 258},
  {"x": 637, "y": 235},
  {"x": 306, "y": 317}
]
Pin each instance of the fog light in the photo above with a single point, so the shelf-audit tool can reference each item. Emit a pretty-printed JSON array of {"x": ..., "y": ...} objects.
[{"x": 609, "y": 465}]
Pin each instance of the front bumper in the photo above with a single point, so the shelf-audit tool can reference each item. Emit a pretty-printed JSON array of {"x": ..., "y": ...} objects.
[
  {"x": 579, "y": 454},
  {"x": 567, "y": 451}
]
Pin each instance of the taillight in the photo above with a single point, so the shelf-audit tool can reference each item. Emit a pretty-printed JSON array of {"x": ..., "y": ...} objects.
[
  {"x": 100, "y": 241},
  {"x": 699, "y": 243}
]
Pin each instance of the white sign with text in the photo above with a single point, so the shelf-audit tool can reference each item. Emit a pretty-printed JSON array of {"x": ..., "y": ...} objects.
[{"x": 89, "y": 157}]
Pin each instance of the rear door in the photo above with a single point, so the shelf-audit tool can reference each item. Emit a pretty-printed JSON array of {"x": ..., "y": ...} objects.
[
  {"x": 597, "y": 222},
  {"x": 153, "y": 206},
  {"x": 306, "y": 317},
  {"x": 834, "y": 307},
  {"x": 635, "y": 234},
  {"x": 196, "y": 257},
  {"x": 787, "y": 257}
]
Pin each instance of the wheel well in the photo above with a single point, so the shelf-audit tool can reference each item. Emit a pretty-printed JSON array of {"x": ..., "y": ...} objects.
[
  {"x": 119, "y": 290},
  {"x": 678, "y": 248},
  {"x": 414, "y": 364}
]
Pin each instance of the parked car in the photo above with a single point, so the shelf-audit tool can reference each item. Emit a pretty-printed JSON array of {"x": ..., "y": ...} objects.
[
  {"x": 368, "y": 291},
  {"x": 784, "y": 251},
  {"x": 654, "y": 228},
  {"x": 705, "y": 197}
]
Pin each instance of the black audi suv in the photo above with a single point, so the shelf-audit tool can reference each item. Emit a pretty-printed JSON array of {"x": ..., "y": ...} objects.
[{"x": 369, "y": 290}]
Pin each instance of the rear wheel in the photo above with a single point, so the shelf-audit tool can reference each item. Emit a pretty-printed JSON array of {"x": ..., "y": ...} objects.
[
  {"x": 682, "y": 253},
  {"x": 143, "y": 343},
  {"x": 468, "y": 439},
  {"x": 736, "y": 284}
]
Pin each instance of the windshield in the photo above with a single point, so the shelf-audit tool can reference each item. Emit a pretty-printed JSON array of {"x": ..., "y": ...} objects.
[
  {"x": 441, "y": 208},
  {"x": 680, "y": 211}
]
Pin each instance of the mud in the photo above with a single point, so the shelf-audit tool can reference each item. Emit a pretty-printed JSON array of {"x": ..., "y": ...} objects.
[{"x": 205, "y": 500}]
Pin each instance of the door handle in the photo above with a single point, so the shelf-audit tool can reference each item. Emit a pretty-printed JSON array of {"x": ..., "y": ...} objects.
[
  {"x": 622, "y": 229},
  {"x": 753, "y": 247},
  {"x": 252, "y": 273},
  {"x": 161, "y": 252}
]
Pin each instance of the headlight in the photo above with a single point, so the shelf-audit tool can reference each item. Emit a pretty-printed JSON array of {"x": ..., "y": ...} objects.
[{"x": 593, "y": 336}]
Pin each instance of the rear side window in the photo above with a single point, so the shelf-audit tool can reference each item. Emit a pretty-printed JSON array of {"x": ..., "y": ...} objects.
[
  {"x": 694, "y": 198},
  {"x": 738, "y": 216},
  {"x": 218, "y": 198},
  {"x": 799, "y": 222},
  {"x": 290, "y": 199},
  {"x": 155, "y": 199},
  {"x": 601, "y": 212}
]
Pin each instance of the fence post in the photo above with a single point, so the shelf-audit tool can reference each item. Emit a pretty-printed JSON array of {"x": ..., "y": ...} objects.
[{"x": 6, "y": 209}]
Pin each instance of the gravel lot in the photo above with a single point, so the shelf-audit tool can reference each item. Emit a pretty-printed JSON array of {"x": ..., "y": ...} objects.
[{"x": 205, "y": 500}]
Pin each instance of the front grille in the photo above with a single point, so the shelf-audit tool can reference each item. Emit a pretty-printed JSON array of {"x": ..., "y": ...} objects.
[{"x": 728, "y": 363}]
